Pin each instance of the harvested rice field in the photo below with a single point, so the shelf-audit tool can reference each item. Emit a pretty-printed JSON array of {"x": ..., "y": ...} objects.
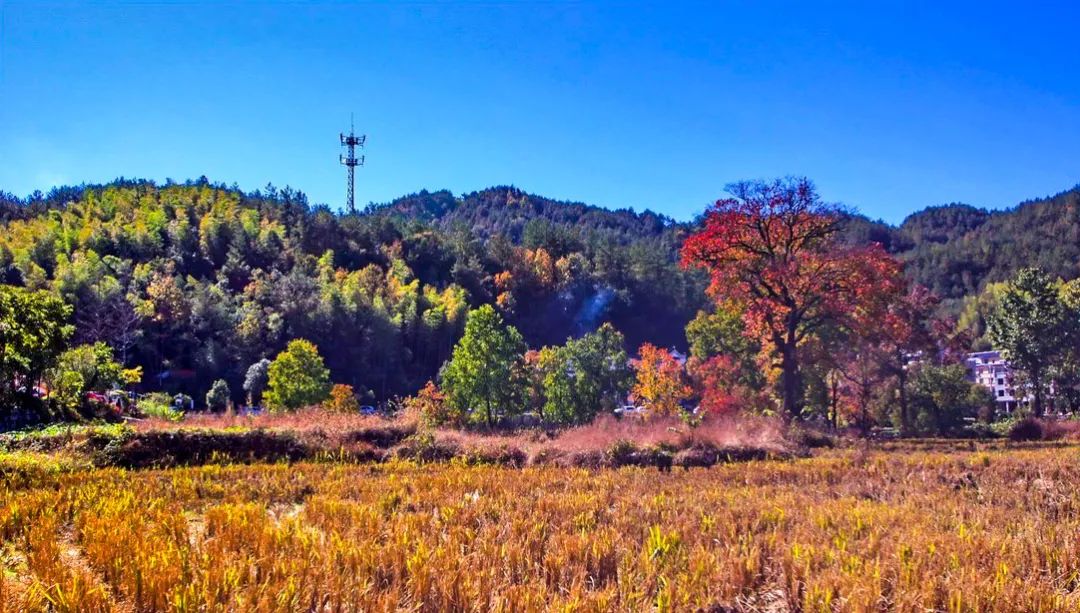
[{"x": 947, "y": 528}]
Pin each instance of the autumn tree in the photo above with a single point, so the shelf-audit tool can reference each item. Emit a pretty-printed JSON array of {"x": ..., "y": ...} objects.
[
  {"x": 906, "y": 330},
  {"x": 342, "y": 399},
  {"x": 775, "y": 248},
  {"x": 861, "y": 380},
  {"x": 482, "y": 376},
  {"x": 722, "y": 386},
  {"x": 429, "y": 404},
  {"x": 660, "y": 384},
  {"x": 722, "y": 365},
  {"x": 872, "y": 356}
]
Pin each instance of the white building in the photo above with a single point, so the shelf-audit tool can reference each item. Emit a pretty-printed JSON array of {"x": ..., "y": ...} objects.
[{"x": 989, "y": 369}]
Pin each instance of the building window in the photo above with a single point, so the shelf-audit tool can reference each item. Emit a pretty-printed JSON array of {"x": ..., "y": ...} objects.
[{"x": 1001, "y": 393}]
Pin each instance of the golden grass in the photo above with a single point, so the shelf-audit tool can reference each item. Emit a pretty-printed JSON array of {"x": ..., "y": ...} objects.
[
  {"x": 941, "y": 530},
  {"x": 312, "y": 418}
]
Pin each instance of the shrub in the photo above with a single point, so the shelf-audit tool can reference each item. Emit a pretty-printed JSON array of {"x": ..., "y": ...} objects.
[
  {"x": 1027, "y": 429},
  {"x": 430, "y": 404},
  {"x": 810, "y": 437},
  {"x": 158, "y": 405},
  {"x": 67, "y": 391},
  {"x": 217, "y": 399},
  {"x": 424, "y": 447},
  {"x": 699, "y": 455},
  {"x": 342, "y": 400},
  {"x": 192, "y": 447},
  {"x": 501, "y": 455}
]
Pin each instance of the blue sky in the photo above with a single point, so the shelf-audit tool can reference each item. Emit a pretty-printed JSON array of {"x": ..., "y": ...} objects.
[{"x": 888, "y": 108}]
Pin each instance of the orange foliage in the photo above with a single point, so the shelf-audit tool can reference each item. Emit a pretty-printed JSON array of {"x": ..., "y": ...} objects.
[
  {"x": 430, "y": 404},
  {"x": 660, "y": 385},
  {"x": 342, "y": 399}
]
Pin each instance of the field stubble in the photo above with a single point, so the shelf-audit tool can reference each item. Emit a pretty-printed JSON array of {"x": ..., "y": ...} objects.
[{"x": 846, "y": 530}]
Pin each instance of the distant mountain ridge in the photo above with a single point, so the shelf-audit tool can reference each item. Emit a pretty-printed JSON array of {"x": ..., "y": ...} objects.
[
  {"x": 507, "y": 210},
  {"x": 956, "y": 249}
]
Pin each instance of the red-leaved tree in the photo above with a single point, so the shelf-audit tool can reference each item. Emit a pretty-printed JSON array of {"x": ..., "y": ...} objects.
[
  {"x": 775, "y": 247},
  {"x": 719, "y": 385}
]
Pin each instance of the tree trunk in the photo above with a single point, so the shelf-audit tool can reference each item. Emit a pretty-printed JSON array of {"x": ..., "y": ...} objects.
[
  {"x": 905, "y": 418},
  {"x": 790, "y": 381},
  {"x": 834, "y": 401},
  {"x": 1037, "y": 409}
]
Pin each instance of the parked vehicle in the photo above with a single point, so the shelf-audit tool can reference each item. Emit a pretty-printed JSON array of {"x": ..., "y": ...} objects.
[{"x": 367, "y": 409}]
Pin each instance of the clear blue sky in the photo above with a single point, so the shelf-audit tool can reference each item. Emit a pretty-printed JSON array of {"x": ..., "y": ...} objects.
[{"x": 889, "y": 109}]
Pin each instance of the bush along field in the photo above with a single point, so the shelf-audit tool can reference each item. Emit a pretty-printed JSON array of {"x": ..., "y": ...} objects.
[
  {"x": 318, "y": 435},
  {"x": 950, "y": 529}
]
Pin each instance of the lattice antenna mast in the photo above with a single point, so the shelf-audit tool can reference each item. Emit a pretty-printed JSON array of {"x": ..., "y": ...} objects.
[{"x": 350, "y": 161}]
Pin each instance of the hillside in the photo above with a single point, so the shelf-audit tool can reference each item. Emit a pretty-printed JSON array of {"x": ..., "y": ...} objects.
[
  {"x": 197, "y": 281},
  {"x": 519, "y": 216},
  {"x": 956, "y": 249}
]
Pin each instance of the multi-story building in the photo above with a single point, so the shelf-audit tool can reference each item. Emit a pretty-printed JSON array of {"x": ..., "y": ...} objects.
[{"x": 991, "y": 370}]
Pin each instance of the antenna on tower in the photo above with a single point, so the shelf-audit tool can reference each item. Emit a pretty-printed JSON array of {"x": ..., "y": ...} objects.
[{"x": 352, "y": 141}]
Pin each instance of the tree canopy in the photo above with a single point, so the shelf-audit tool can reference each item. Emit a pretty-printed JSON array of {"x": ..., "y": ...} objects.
[
  {"x": 774, "y": 247},
  {"x": 297, "y": 377},
  {"x": 483, "y": 378}
]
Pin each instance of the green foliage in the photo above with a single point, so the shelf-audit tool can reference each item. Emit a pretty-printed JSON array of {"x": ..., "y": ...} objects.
[
  {"x": 297, "y": 377},
  {"x": 67, "y": 392},
  {"x": 217, "y": 399},
  {"x": 159, "y": 405},
  {"x": 82, "y": 369},
  {"x": 719, "y": 332},
  {"x": 1033, "y": 327},
  {"x": 483, "y": 378},
  {"x": 941, "y": 397},
  {"x": 33, "y": 332},
  {"x": 585, "y": 376},
  {"x": 95, "y": 363},
  {"x": 976, "y": 310},
  {"x": 195, "y": 282}
]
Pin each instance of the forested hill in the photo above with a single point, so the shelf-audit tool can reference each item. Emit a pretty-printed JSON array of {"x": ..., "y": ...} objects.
[
  {"x": 955, "y": 250},
  {"x": 522, "y": 217},
  {"x": 195, "y": 282}
]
